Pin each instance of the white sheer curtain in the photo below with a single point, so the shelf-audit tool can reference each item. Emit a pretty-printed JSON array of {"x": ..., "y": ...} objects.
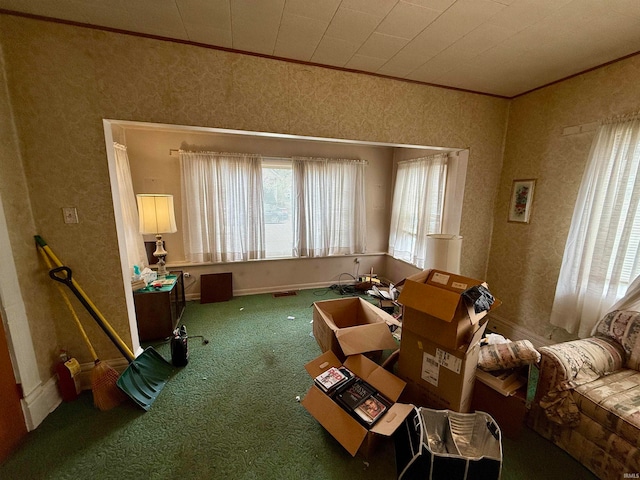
[
  {"x": 601, "y": 256},
  {"x": 418, "y": 200},
  {"x": 223, "y": 213},
  {"x": 136, "y": 253},
  {"x": 631, "y": 299},
  {"x": 329, "y": 207}
]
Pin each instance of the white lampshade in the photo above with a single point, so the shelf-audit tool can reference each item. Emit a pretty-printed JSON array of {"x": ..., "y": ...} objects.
[
  {"x": 155, "y": 212},
  {"x": 443, "y": 252}
]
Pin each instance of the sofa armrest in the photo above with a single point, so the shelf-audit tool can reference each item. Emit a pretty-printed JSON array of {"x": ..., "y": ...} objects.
[
  {"x": 570, "y": 364},
  {"x": 567, "y": 365}
]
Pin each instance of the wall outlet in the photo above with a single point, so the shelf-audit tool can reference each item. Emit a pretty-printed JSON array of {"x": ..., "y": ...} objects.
[
  {"x": 186, "y": 274},
  {"x": 70, "y": 214}
]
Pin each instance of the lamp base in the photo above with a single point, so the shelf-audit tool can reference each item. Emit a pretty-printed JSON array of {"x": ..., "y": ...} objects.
[
  {"x": 160, "y": 254},
  {"x": 162, "y": 268}
]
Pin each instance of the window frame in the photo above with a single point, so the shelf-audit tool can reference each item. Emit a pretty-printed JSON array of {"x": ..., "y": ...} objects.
[{"x": 453, "y": 197}]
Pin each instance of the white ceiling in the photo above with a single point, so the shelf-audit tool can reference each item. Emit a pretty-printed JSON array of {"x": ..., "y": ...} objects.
[{"x": 500, "y": 47}]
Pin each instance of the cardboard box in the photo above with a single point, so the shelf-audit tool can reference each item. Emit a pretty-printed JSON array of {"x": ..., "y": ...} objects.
[
  {"x": 509, "y": 412},
  {"x": 435, "y": 309},
  {"x": 343, "y": 427},
  {"x": 347, "y": 326},
  {"x": 438, "y": 377}
]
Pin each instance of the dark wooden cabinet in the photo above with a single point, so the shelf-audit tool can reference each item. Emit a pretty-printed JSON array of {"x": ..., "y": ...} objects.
[{"x": 158, "y": 311}]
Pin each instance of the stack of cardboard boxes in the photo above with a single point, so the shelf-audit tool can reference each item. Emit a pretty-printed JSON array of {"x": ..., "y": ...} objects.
[
  {"x": 440, "y": 341},
  {"x": 351, "y": 331},
  {"x": 438, "y": 354}
]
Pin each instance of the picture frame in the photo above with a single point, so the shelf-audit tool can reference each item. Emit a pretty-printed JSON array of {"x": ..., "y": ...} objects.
[{"x": 521, "y": 200}]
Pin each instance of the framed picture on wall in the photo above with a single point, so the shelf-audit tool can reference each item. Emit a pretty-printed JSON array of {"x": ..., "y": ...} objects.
[{"x": 521, "y": 200}]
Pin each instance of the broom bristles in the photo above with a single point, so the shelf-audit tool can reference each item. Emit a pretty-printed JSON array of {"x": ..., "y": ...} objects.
[{"x": 106, "y": 393}]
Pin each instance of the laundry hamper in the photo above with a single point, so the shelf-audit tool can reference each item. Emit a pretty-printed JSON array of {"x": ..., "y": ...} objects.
[{"x": 447, "y": 445}]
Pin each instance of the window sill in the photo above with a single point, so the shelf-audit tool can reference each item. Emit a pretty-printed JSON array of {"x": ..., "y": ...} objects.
[{"x": 183, "y": 264}]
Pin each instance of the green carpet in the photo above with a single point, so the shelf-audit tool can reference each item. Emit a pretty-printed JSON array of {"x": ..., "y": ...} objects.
[{"x": 232, "y": 413}]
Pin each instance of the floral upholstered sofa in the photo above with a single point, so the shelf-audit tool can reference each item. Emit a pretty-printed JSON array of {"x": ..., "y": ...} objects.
[{"x": 588, "y": 397}]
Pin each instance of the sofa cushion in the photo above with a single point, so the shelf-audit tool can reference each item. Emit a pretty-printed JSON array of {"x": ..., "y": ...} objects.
[
  {"x": 502, "y": 356},
  {"x": 614, "y": 402},
  {"x": 624, "y": 327}
]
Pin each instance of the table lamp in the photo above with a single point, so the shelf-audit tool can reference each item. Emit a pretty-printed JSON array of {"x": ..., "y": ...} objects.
[{"x": 156, "y": 215}]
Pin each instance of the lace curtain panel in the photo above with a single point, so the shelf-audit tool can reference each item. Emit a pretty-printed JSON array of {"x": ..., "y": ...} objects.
[
  {"x": 601, "y": 255},
  {"x": 329, "y": 207},
  {"x": 222, "y": 211},
  {"x": 417, "y": 209},
  {"x": 134, "y": 242}
]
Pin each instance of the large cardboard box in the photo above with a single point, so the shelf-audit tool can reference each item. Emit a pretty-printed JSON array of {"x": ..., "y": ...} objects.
[
  {"x": 509, "y": 412},
  {"x": 438, "y": 377},
  {"x": 347, "y": 326},
  {"x": 343, "y": 427},
  {"x": 435, "y": 309}
]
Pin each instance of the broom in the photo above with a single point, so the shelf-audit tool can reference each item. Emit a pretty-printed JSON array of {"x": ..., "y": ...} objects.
[{"x": 106, "y": 393}]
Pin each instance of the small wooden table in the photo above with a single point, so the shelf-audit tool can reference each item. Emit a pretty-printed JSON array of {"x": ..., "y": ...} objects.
[{"x": 159, "y": 309}]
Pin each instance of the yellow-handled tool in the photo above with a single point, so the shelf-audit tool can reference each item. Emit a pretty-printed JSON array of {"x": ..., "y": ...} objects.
[
  {"x": 106, "y": 393},
  {"x": 147, "y": 374}
]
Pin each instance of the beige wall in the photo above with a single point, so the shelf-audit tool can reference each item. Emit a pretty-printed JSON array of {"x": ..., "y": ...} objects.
[
  {"x": 525, "y": 258},
  {"x": 31, "y": 276},
  {"x": 63, "y": 80}
]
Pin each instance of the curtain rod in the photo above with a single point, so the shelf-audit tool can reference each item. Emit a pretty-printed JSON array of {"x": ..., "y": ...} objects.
[
  {"x": 592, "y": 126},
  {"x": 426, "y": 157},
  {"x": 174, "y": 152},
  {"x": 574, "y": 129}
]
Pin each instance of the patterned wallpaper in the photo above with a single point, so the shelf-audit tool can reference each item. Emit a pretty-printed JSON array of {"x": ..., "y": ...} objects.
[
  {"x": 525, "y": 259},
  {"x": 63, "y": 80},
  {"x": 17, "y": 211}
]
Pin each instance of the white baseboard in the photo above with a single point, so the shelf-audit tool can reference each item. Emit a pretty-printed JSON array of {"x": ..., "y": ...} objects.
[
  {"x": 279, "y": 288},
  {"x": 43, "y": 400},
  {"x": 512, "y": 331}
]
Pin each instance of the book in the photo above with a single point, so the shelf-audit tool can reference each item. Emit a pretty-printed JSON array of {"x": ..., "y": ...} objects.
[
  {"x": 138, "y": 284},
  {"x": 352, "y": 396},
  {"x": 371, "y": 409},
  {"x": 330, "y": 379},
  {"x": 507, "y": 382}
]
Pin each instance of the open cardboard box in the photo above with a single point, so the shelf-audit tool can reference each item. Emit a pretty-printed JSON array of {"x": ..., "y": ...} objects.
[
  {"x": 343, "y": 427},
  {"x": 435, "y": 309},
  {"x": 347, "y": 326}
]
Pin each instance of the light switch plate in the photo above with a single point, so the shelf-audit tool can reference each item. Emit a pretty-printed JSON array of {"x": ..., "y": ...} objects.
[{"x": 70, "y": 214}]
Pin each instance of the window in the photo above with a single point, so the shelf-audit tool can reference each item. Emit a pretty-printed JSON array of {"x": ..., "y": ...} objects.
[
  {"x": 418, "y": 206},
  {"x": 241, "y": 207},
  {"x": 222, "y": 206},
  {"x": 601, "y": 256},
  {"x": 278, "y": 219},
  {"x": 330, "y": 215}
]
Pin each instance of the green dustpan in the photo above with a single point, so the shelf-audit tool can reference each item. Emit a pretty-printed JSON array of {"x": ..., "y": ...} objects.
[{"x": 145, "y": 377}]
